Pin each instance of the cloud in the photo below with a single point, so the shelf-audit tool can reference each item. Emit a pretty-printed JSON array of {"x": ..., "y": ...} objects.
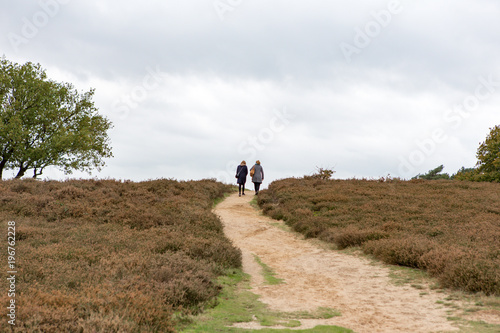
[{"x": 192, "y": 94}]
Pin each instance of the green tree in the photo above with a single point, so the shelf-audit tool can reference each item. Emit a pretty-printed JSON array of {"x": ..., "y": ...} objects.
[
  {"x": 465, "y": 174},
  {"x": 488, "y": 156},
  {"x": 46, "y": 123},
  {"x": 488, "y": 165},
  {"x": 433, "y": 174}
]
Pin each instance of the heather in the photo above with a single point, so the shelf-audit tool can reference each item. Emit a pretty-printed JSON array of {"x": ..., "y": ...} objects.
[
  {"x": 114, "y": 256},
  {"x": 449, "y": 228}
]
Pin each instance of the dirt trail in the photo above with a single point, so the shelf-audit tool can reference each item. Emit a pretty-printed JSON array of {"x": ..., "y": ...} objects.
[{"x": 316, "y": 277}]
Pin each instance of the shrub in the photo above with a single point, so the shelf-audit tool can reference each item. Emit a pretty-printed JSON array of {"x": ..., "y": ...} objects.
[
  {"x": 353, "y": 237},
  {"x": 441, "y": 226},
  {"x": 323, "y": 173},
  {"x": 472, "y": 274},
  {"x": 112, "y": 256},
  {"x": 405, "y": 252}
]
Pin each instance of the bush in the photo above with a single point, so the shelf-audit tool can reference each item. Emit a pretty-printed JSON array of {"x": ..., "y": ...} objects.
[
  {"x": 405, "y": 252},
  {"x": 472, "y": 274},
  {"x": 441, "y": 226},
  {"x": 351, "y": 237},
  {"x": 112, "y": 256}
]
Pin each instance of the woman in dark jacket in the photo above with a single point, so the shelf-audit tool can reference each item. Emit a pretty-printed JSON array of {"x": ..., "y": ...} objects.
[
  {"x": 241, "y": 175},
  {"x": 258, "y": 176}
]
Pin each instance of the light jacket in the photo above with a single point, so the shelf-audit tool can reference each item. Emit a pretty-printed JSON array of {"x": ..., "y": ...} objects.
[{"x": 258, "y": 176}]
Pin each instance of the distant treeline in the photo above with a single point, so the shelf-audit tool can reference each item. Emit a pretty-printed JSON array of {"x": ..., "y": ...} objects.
[{"x": 487, "y": 168}]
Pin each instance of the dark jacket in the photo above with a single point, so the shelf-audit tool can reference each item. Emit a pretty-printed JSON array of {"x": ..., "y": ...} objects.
[{"x": 241, "y": 174}]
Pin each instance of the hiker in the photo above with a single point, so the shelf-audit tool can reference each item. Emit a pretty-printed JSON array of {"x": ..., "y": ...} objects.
[
  {"x": 257, "y": 173},
  {"x": 241, "y": 175}
]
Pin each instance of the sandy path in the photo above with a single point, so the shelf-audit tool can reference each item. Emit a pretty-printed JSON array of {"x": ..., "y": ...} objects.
[{"x": 315, "y": 277}]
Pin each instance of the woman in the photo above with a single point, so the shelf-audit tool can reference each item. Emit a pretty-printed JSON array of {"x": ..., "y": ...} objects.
[
  {"x": 241, "y": 175},
  {"x": 257, "y": 176}
]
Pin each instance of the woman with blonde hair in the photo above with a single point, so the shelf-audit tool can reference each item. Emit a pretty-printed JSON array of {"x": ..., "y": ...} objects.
[
  {"x": 257, "y": 173},
  {"x": 241, "y": 175}
]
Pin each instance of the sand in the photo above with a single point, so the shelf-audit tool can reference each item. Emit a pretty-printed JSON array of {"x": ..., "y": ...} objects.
[{"x": 316, "y": 276}]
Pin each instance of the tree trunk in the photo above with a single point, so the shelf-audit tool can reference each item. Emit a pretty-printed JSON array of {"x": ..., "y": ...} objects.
[
  {"x": 21, "y": 171},
  {"x": 36, "y": 174},
  {"x": 3, "y": 162},
  {"x": 6, "y": 154}
]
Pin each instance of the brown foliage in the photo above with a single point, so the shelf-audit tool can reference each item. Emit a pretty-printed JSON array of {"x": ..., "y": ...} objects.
[
  {"x": 450, "y": 228},
  {"x": 111, "y": 256}
]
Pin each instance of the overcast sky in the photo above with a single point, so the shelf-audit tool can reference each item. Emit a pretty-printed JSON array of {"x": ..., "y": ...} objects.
[{"x": 368, "y": 88}]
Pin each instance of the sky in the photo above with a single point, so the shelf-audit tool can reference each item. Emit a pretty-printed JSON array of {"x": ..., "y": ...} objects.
[{"x": 367, "y": 88}]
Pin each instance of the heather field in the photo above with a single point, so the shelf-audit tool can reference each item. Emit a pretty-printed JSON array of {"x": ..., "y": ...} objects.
[
  {"x": 112, "y": 256},
  {"x": 449, "y": 228}
]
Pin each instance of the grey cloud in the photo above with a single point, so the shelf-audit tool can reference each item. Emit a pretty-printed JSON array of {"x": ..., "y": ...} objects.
[{"x": 222, "y": 79}]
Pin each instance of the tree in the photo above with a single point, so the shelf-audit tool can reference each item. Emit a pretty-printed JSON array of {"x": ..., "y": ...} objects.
[
  {"x": 46, "y": 123},
  {"x": 464, "y": 174},
  {"x": 488, "y": 165},
  {"x": 433, "y": 174},
  {"x": 488, "y": 155}
]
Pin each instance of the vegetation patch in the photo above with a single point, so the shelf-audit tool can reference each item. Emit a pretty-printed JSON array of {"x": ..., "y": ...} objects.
[
  {"x": 254, "y": 203},
  {"x": 475, "y": 326},
  {"x": 268, "y": 273},
  {"x": 451, "y": 229},
  {"x": 113, "y": 256}
]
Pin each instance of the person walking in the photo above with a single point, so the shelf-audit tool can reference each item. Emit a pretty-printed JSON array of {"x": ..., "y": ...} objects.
[
  {"x": 257, "y": 173},
  {"x": 241, "y": 175}
]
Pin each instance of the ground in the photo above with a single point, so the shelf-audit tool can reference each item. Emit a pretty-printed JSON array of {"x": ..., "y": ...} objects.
[{"x": 315, "y": 276}]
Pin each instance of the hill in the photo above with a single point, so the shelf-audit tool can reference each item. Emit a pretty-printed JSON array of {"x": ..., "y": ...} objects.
[
  {"x": 112, "y": 256},
  {"x": 449, "y": 228}
]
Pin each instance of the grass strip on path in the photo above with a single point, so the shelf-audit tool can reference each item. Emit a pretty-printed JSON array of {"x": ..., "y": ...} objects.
[{"x": 268, "y": 274}]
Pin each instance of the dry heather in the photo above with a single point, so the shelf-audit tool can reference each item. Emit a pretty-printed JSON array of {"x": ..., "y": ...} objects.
[
  {"x": 449, "y": 228},
  {"x": 111, "y": 256}
]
